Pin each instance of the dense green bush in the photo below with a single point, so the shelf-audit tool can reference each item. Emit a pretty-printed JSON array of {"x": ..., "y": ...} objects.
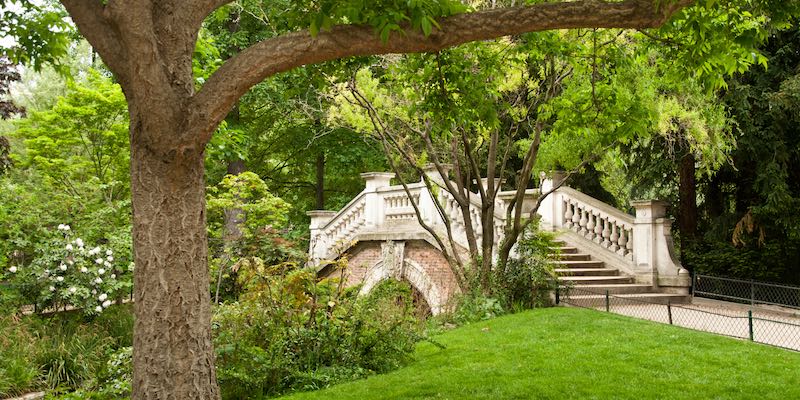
[
  {"x": 290, "y": 332},
  {"x": 65, "y": 352},
  {"x": 528, "y": 279},
  {"x": 766, "y": 261}
]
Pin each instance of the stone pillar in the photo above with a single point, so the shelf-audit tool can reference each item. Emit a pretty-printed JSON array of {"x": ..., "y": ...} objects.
[
  {"x": 645, "y": 236},
  {"x": 433, "y": 174},
  {"x": 551, "y": 210},
  {"x": 318, "y": 248},
  {"x": 373, "y": 207}
]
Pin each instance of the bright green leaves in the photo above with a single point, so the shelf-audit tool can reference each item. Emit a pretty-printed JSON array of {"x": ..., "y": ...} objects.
[
  {"x": 83, "y": 138},
  {"x": 386, "y": 16},
  {"x": 716, "y": 39},
  {"x": 40, "y": 32},
  {"x": 248, "y": 193}
]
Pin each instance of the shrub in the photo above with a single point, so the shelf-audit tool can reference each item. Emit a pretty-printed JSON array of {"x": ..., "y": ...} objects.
[
  {"x": 527, "y": 280},
  {"x": 70, "y": 272},
  {"x": 290, "y": 332}
]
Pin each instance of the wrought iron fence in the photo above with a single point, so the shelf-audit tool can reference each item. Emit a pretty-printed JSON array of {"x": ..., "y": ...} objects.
[
  {"x": 755, "y": 325},
  {"x": 746, "y": 292}
]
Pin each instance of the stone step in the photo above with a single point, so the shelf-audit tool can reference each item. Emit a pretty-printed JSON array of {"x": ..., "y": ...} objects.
[
  {"x": 564, "y": 249},
  {"x": 578, "y": 264},
  {"x": 616, "y": 288},
  {"x": 587, "y": 271},
  {"x": 595, "y": 279},
  {"x": 574, "y": 256},
  {"x": 630, "y": 299}
]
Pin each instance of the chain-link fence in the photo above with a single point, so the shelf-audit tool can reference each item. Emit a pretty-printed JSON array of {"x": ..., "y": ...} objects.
[
  {"x": 746, "y": 292},
  {"x": 755, "y": 325}
]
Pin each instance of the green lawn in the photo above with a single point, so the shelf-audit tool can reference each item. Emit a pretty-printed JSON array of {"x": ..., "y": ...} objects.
[{"x": 567, "y": 353}]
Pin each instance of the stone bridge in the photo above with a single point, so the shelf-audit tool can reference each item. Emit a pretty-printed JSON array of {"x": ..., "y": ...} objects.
[{"x": 603, "y": 248}]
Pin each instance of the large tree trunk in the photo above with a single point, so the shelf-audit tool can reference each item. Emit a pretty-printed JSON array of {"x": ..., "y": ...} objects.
[{"x": 173, "y": 353}]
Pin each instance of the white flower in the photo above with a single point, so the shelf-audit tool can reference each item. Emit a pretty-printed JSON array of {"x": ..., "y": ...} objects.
[
  {"x": 94, "y": 291},
  {"x": 98, "y": 281},
  {"x": 94, "y": 251},
  {"x": 331, "y": 304},
  {"x": 47, "y": 272},
  {"x": 101, "y": 271},
  {"x": 70, "y": 262},
  {"x": 60, "y": 278},
  {"x": 61, "y": 227},
  {"x": 62, "y": 267},
  {"x": 52, "y": 288},
  {"x": 69, "y": 247},
  {"x": 106, "y": 263},
  {"x": 102, "y": 297},
  {"x": 12, "y": 269},
  {"x": 99, "y": 260},
  {"x": 66, "y": 227},
  {"x": 72, "y": 289},
  {"x": 113, "y": 276},
  {"x": 106, "y": 303},
  {"x": 110, "y": 258},
  {"x": 84, "y": 270},
  {"x": 79, "y": 242},
  {"x": 109, "y": 252},
  {"x": 98, "y": 309}
]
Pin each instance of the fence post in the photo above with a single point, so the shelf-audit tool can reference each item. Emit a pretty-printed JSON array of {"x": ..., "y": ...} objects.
[
  {"x": 750, "y": 323},
  {"x": 669, "y": 311},
  {"x": 608, "y": 305},
  {"x": 558, "y": 294}
]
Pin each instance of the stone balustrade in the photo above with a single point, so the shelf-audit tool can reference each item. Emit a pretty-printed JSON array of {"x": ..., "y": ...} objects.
[{"x": 639, "y": 245}]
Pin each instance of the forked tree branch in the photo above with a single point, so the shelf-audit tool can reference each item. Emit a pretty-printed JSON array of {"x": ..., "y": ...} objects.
[{"x": 282, "y": 53}]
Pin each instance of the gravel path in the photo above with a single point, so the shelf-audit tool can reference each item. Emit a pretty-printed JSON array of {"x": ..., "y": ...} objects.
[{"x": 774, "y": 327}]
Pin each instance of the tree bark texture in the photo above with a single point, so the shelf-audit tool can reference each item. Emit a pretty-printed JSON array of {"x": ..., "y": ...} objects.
[
  {"x": 173, "y": 353},
  {"x": 148, "y": 45}
]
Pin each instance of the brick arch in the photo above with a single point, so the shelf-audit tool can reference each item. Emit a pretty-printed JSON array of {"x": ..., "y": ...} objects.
[{"x": 414, "y": 274}]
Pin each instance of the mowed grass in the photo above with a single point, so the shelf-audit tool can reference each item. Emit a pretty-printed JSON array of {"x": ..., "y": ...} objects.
[{"x": 568, "y": 353}]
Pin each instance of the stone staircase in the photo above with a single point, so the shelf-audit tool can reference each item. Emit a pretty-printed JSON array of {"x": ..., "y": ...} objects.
[{"x": 579, "y": 271}]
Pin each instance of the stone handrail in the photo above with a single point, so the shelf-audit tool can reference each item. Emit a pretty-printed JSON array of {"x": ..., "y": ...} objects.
[
  {"x": 382, "y": 208},
  {"x": 598, "y": 222},
  {"x": 639, "y": 245}
]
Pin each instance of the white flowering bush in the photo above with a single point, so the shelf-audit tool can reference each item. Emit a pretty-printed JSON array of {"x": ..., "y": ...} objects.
[{"x": 71, "y": 272}]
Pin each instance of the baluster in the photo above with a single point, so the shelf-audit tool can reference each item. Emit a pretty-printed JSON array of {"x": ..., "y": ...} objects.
[
  {"x": 606, "y": 234},
  {"x": 614, "y": 236},
  {"x": 576, "y": 218},
  {"x": 629, "y": 245},
  {"x": 582, "y": 222},
  {"x": 590, "y": 221},
  {"x": 598, "y": 229},
  {"x": 568, "y": 215},
  {"x": 623, "y": 241}
]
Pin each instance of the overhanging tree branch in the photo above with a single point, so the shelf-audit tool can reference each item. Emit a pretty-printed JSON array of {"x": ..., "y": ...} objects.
[
  {"x": 282, "y": 53},
  {"x": 90, "y": 18}
]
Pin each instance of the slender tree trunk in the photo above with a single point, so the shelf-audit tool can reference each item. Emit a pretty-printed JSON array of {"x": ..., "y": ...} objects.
[
  {"x": 173, "y": 352},
  {"x": 687, "y": 196},
  {"x": 319, "y": 187}
]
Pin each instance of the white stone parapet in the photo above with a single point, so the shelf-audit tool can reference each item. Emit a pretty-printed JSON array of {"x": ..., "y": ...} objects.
[{"x": 640, "y": 246}]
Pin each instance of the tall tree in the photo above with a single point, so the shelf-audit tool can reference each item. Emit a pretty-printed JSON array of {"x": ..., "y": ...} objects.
[{"x": 149, "y": 44}]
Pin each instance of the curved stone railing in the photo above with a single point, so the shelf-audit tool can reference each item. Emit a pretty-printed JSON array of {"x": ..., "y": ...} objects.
[
  {"x": 382, "y": 208},
  {"x": 598, "y": 222},
  {"x": 639, "y": 245}
]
